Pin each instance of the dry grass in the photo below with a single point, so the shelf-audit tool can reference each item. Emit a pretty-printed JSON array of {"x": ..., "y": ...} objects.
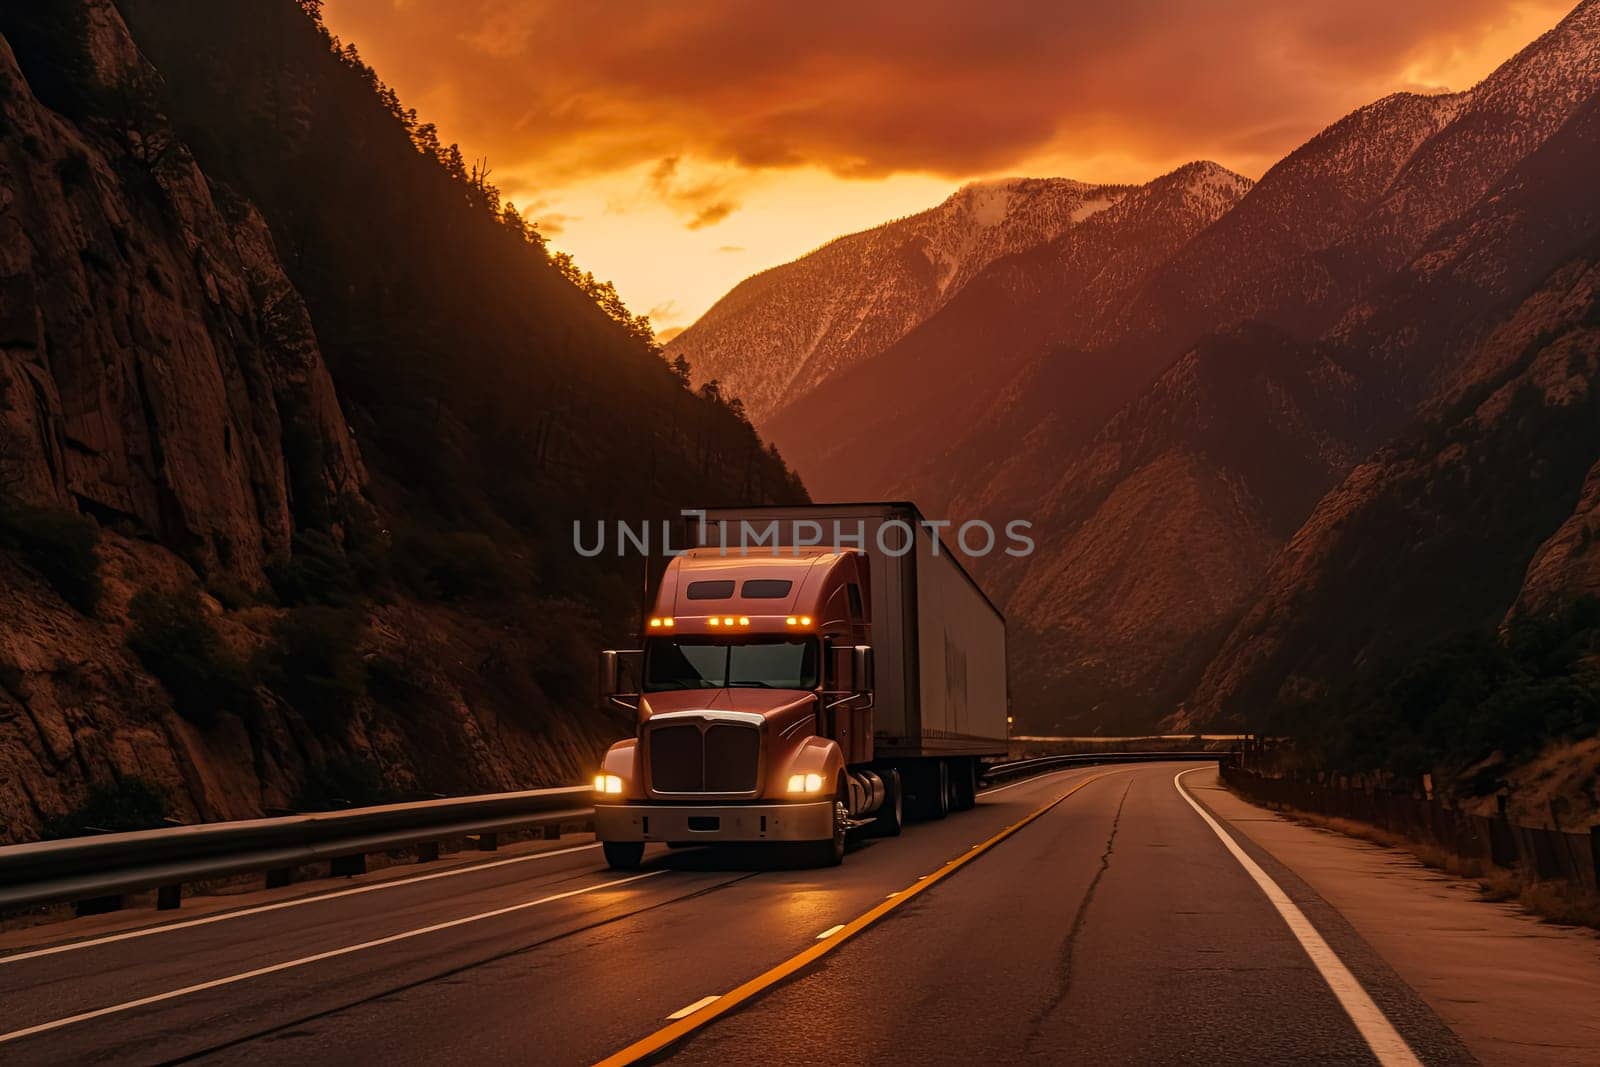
[{"x": 1557, "y": 902}]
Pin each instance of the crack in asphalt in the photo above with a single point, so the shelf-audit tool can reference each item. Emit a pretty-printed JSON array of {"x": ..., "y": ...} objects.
[{"x": 1064, "y": 967}]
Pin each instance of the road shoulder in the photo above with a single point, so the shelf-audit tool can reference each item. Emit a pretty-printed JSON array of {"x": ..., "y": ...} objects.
[{"x": 1514, "y": 989}]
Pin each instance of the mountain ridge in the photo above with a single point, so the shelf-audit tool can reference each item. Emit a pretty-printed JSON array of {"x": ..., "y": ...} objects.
[
  {"x": 1242, "y": 376},
  {"x": 1007, "y": 312},
  {"x": 916, "y": 263}
]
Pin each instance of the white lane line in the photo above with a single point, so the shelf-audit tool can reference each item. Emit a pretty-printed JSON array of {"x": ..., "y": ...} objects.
[
  {"x": 1381, "y": 1037},
  {"x": 147, "y": 931},
  {"x": 829, "y": 932},
  {"x": 685, "y": 1012},
  {"x": 243, "y": 976}
]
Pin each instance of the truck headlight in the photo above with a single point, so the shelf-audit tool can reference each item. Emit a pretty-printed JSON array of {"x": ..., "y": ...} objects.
[
  {"x": 805, "y": 783},
  {"x": 607, "y": 783}
]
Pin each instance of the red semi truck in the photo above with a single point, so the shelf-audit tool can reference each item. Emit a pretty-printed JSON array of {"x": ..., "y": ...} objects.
[{"x": 806, "y": 672}]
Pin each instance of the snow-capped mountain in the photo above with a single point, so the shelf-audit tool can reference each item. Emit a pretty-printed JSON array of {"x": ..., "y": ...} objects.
[
  {"x": 780, "y": 333},
  {"x": 1341, "y": 213},
  {"x": 907, "y": 420}
]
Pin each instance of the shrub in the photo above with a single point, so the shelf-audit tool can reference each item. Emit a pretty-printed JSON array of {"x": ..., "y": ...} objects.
[
  {"x": 177, "y": 643},
  {"x": 565, "y": 642},
  {"x": 1464, "y": 701},
  {"x": 231, "y": 593},
  {"x": 453, "y": 565},
  {"x": 397, "y": 684},
  {"x": 129, "y": 803},
  {"x": 341, "y": 782},
  {"x": 314, "y": 664},
  {"x": 60, "y": 546},
  {"x": 317, "y": 571}
]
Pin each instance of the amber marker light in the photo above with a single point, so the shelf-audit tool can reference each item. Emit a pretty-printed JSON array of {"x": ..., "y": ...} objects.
[
  {"x": 744, "y": 620},
  {"x": 714, "y": 621}
]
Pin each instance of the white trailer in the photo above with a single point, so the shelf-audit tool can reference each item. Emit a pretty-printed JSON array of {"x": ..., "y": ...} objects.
[{"x": 940, "y": 700}]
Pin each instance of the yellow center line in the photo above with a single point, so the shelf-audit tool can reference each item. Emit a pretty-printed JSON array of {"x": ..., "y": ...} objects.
[{"x": 681, "y": 1028}]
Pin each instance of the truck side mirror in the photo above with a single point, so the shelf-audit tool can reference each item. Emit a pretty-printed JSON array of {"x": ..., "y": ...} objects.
[
  {"x": 621, "y": 673},
  {"x": 861, "y": 664},
  {"x": 849, "y": 668}
]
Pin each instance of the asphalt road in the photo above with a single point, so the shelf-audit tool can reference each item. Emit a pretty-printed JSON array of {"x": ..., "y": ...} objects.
[{"x": 1117, "y": 926}]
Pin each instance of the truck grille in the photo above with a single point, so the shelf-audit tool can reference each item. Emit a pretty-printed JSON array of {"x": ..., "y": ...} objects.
[{"x": 718, "y": 757}]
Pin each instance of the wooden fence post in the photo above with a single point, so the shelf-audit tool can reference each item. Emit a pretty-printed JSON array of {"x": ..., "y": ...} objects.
[{"x": 1594, "y": 851}]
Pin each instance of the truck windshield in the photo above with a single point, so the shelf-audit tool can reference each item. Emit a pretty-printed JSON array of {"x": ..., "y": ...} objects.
[{"x": 702, "y": 663}]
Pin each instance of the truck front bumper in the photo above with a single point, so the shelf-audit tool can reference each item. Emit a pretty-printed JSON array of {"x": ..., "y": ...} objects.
[{"x": 693, "y": 823}]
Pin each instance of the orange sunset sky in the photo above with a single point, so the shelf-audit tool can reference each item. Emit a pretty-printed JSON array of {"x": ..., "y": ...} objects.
[{"x": 677, "y": 147}]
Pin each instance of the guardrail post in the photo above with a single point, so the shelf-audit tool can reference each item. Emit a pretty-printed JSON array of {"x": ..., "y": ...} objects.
[
  {"x": 488, "y": 842},
  {"x": 346, "y": 866},
  {"x": 428, "y": 852},
  {"x": 169, "y": 897},
  {"x": 278, "y": 877}
]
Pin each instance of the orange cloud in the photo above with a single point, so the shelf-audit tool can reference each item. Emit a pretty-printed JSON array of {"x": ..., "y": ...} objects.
[
  {"x": 562, "y": 90},
  {"x": 552, "y": 223},
  {"x": 654, "y": 140},
  {"x": 706, "y": 201}
]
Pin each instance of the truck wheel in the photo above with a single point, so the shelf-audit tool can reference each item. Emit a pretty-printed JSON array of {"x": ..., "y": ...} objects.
[
  {"x": 829, "y": 853},
  {"x": 939, "y": 791},
  {"x": 892, "y": 816},
  {"x": 623, "y": 855},
  {"x": 964, "y": 778}
]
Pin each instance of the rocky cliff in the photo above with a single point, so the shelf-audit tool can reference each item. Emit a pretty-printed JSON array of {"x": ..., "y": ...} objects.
[
  {"x": 153, "y": 352},
  {"x": 286, "y": 485}
]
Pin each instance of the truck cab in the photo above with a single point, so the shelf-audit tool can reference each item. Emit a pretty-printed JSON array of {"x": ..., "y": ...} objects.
[{"x": 753, "y": 704}]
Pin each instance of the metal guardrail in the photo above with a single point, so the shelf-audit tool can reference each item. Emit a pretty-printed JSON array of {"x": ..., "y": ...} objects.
[
  {"x": 99, "y": 870},
  {"x": 94, "y": 868},
  {"x": 1000, "y": 772}
]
